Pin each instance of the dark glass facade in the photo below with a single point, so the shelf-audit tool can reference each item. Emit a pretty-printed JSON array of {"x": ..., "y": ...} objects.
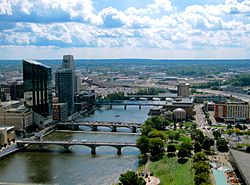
[
  {"x": 37, "y": 84},
  {"x": 64, "y": 88}
]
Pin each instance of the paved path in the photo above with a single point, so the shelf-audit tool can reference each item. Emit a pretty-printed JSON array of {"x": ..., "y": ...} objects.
[
  {"x": 8, "y": 150},
  {"x": 153, "y": 181}
]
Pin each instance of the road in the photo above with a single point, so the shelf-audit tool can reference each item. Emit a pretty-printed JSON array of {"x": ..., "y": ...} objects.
[
  {"x": 243, "y": 97},
  {"x": 8, "y": 150}
]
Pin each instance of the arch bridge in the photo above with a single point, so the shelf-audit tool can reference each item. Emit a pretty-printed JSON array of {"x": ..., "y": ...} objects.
[
  {"x": 67, "y": 144},
  {"x": 94, "y": 125}
]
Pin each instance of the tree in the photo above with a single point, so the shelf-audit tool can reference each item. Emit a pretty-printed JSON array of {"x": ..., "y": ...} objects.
[
  {"x": 197, "y": 146},
  {"x": 211, "y": 142},
  {"x": 182, "y": 153},
  {"x": 201, "y": 167},
  {"x": 229, "y": 126},
  {"x": 199, "y": 156},
  {"x": 248, "y": 149},
  {"x": 143, "y": 144},
  {"x": 222, "y": 145},
  {"x": 156, "y": 133},
  {"x": 146, "y": 129},
  {"x": 206, "y": 144},
  {"x": 171, "y": 148},
  {"x": 130, "y": 177},
  {"x": 187, "y": 146},
  {"x": 171, "y": 137},
  {"x": 201, "y": 178},
  {"x": 216, "y": 134},
  {"x": 156, "y": 146},
  {"x": 238, "y": 126}
]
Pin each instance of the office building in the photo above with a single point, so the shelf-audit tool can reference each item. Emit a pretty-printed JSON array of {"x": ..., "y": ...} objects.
[
  {"x": 232, "y": 112},
  {"x": 7, "y": 134},
  {"x": 60, "y": 111},
  {"x": 69, "y": 63},
  {"x": 64, "y": 88},
  {"x": 183, "y": 90},
  {"x": 37, "y": 87},
  {"x": 14, "y": 114}
]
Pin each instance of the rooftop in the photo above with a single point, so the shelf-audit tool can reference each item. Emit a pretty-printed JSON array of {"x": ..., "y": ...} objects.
[
  {"x": 243, "y": 163},
  {"x": 36, "y": 63}
]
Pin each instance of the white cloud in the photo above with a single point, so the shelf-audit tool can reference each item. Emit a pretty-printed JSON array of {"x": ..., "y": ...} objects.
[{"x": 5, "y": 7}]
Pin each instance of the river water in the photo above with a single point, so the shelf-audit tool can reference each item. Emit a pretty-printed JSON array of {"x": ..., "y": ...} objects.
[{"x": 78, "y": 166}]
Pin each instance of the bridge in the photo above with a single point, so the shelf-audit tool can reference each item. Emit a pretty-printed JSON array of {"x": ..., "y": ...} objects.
[
  {"x": 131, "y": 102},
  {"x": 94, "y": 125},
  {"x": 67, "y": 144}
]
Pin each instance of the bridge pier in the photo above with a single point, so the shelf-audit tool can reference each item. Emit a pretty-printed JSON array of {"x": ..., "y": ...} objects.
[
  {"x": 119, "y": 151},
  {"x": 125, "y": 107},
  {"x": 110, "y": 107},
  {"x": 93, "y": 150},
  {"x": 114, "y": 128},
  {"x": 94, "y": 128},
  {"x": 66, "y": 148},
  {"x": 40, "y": 147},
  {"x": 139, "y": 107},
  {"x": 133, "y": 129}
]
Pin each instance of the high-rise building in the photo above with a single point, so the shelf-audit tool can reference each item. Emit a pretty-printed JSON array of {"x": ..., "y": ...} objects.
[
  {"x": 183, "y": 90},
  {"x": 69, "y": 63},
  {"x": 64, "y": 88},
  {"x": 37, "y": 84}
]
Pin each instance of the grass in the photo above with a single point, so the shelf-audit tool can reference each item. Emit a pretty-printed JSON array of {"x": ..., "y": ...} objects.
[
  {"x": 170, "y": 172},
  {"x": 184, "y": 138}
]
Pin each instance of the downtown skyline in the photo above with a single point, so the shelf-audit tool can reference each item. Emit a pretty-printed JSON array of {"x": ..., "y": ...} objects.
[{"x": 157, "y": 29}]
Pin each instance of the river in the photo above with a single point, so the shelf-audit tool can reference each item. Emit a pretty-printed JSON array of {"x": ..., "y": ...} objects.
[{"x": 78, "y": 166}]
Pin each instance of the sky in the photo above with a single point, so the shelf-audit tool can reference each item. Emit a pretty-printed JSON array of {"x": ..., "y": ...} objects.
[{"x": 157, "y": 29}]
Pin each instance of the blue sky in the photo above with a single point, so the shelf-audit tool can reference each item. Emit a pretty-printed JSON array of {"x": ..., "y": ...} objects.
[{"x": 124, "y": 29}]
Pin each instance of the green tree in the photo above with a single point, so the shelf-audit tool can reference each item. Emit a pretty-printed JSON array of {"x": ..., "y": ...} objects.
[
  {"x": 201, "y": 167},
  {"x": 130, "y": 177},
  {"x": 201, "y": 178},
  {"x": 156, "y": 133},
  {"x": 146, "y": 129},
  {"x": 182, "y": 153},
  {"x": 156, "y": 146},
  {"x": 216, "y": 134},
  {"x": 186, "y": 146},
  {"x": 222, "y": 145},
  {"x": 171, "y": 148},
  {"x": 199, "y": 156},
  {"x": 206, "y": 144},
  {"x": 197, "y": 146},
  {"x": 143, "y": 144}
]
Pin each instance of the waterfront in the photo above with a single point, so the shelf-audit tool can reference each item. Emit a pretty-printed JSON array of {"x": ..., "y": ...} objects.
[{"x": 78, "y": 166}]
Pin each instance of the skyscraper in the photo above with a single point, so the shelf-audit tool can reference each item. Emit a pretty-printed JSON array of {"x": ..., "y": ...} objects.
[
  {"x": 69, "y": 63},
  {"x": 37, "y": 83},
  {"x": 64, "y": 88},
  {"x": 183, "y": 90}
]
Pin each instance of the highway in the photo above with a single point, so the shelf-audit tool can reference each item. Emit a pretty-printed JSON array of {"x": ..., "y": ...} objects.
[{"x": 243, "y": 97}]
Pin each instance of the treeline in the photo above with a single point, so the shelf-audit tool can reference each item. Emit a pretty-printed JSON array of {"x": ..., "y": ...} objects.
[
  {"x": 149, "y": 91},
  {"x": 237, "y": 80}
]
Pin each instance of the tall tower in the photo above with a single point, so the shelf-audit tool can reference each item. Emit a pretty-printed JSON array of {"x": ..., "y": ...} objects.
[
  {"x": 37, "y": 85},
  {"x": 64, "y": 88},
  {"x": 69, "y": 63},
  {"x": 183, "y": 90}
]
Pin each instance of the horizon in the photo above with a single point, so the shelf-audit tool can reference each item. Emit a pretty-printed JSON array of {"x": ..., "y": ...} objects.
[
  {"x": 149, "y": 29},
  {"x": 156, "y": 59}
]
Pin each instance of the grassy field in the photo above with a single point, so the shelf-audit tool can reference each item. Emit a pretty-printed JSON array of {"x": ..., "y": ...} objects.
[{"x": 170, "y": 172}]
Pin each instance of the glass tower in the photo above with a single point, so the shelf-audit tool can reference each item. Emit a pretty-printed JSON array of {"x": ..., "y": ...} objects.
[
  {"x": 64, "y": 88},
  {"x": 37, "y": 84}
]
